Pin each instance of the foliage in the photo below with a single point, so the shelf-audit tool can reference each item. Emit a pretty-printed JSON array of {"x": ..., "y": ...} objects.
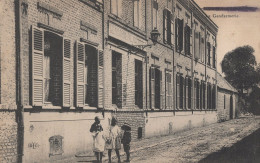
[
  {"x": 240, "y": 68},
  {"x": 254, "y": 101}
]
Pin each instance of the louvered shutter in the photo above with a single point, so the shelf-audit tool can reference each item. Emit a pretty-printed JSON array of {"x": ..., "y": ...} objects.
[
  {"x": 152, "y": 87},
  {"x": 80, "y": 74},
  {"x": 172, "y": 29},
  {"x": 37, "y": 66},
  {"x": 177, "y": 91},
  {"x": 166, "y": 90},
  {"x": 100, "y": 78},
  {"x": 168, "y": 27},
  {"x": 161, "y": 92},
  {"x": 197, "y": 45},
  {"x": 177, "y": 35},
  {"x": 66, "y": 71},
  {"x": 165, "y": 26},
  {"x": 195, "y": 94},
  {"x": 186, "y": 91},
  {"x": 180, "y": 31}
]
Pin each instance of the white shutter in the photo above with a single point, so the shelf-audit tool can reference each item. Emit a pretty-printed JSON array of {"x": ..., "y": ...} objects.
[
  {"x": 80, "y": 74},
  {"x": 152, "y": 87},
  {"x": 37, "y": 66},
  {"x": 66, "y": 73},
  {"x": 100, "y": 78}
]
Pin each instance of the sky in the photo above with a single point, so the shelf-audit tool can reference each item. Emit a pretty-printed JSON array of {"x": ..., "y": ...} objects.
[{"x": 242, "y": 29}]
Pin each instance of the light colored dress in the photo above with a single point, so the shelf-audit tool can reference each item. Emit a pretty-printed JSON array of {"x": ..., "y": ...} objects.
[
  {"x": 113, "y": 138},
  {"x": 98, "y": 141}
]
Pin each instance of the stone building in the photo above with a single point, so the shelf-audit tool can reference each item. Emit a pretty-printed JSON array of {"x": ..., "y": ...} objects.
[{"x": 65, "y": 62}]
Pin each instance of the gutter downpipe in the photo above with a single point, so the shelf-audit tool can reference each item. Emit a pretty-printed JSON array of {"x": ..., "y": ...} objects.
[{"x": 20, "y": 110}]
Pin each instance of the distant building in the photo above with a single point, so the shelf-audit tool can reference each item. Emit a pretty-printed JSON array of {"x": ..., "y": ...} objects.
[{"x": 65, "y": 62}]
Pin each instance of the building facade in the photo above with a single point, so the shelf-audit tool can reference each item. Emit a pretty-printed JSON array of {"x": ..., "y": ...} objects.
[{"x": 69, "y": 61}]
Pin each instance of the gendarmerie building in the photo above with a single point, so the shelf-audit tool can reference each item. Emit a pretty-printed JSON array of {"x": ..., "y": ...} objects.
[{"x": 150, "y": 63}]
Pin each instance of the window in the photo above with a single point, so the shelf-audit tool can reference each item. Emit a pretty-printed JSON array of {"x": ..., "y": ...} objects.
[
  {"x": 50, "y": 69},
  {"x": 214, "y": 97},
  {"x": 179, "y": 35},
  {"x": 91, "y": 78},
  {"x": 197, "y": 94},
  {"x": 187, "y": 40},
  {"x": 189, "y": 92},
  {"x": 137, "y": 13},
  {"x": 116, "y": 7},
  {"x": 139, "y": 83},
  {"x": 202, "y": 95},
  {"x": 197, "y": 45},
  {"x": 117, "y": 79},
  {"x": 87, "y": 76},
  {"x": 155, "y": 88},
  {"x": 168, "y": 34},
  {"x": 214, "y": 57},
  {"x": 209, "y": 96},
  {"x": 179, "y": 91},
  {"x": 224, "y": 101},
  {"x": 202, "y": 48},
  {"x": 208, "y": 53},
  {"x": 155, "y": 13},
  {"x": 56, "y": 145},
  {"x": 168, "y": 90}
]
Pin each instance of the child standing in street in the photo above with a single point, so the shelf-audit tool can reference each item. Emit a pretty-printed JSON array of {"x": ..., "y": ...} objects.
[{"x": 126, "y": 140}]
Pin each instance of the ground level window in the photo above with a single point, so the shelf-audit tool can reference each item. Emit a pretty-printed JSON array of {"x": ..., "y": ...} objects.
[
  {"x": 51, "y": 67},
  {"x": 139, "y": 83},
  {"x": 117, "y": 79},
  {"x": 155, "y": 88},
  {"x": 168, "y": 90},
  {"x": 91, "y": 77}
]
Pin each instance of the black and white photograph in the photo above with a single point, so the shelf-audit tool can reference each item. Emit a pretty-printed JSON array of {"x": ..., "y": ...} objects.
[{"x": 140, "y": 81}]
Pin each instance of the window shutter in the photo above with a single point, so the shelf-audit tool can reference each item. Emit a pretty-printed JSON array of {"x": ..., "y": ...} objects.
[
  {"x": 80, "y": 75},
  {"x": 119, "y": 8},
  {"x": 152, "y": 87},
  {"x": 180, "y": 30},
  {"x": 177, "y": 91},
  {"x": 165, "y": 26},
  {"x": 161, "y": 91},
  {"x": 66, "y": 73},
  {"x": 166, "y": 90},
  {"x": 197, "y": 45},
  {"x": 100, "y": 78},
  {"x": 168, "y": 21},
  {"x": 195, "y": 94},
  {"x": 170, "y": 90},
  {"x": 37, "y": 66},
  {"x": 172, "y": 29},
  {"x": 186, "y": 92},
  {"x": 177, "y": 35}
]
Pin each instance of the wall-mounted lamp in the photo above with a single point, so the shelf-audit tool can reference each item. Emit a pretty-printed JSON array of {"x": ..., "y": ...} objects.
[{"x": 154, "y": 37}]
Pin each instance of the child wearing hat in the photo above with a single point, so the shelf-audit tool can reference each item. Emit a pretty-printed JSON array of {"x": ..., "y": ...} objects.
[{"x": 126, "y": 140}]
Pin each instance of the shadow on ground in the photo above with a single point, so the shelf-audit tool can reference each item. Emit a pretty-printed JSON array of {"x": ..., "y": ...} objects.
[{"x": 245, "y": 151}]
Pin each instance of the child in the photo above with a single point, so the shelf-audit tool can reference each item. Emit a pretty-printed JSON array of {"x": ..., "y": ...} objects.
[
  {"x": 98, "y": 139},
  {"x": 126, "y": 140}
]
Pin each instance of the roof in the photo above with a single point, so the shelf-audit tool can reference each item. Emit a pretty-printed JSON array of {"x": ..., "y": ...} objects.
[{"x": 224, "y": 84}]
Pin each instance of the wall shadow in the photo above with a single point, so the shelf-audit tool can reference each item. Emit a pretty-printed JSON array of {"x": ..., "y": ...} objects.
[{"x": 245, "y": 151}]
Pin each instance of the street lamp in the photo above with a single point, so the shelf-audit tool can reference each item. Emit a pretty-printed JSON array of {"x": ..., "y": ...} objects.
[{"x": 154, "y": 37}]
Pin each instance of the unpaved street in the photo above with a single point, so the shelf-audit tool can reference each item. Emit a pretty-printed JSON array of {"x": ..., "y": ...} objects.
[{"x": 196, "y": 144}]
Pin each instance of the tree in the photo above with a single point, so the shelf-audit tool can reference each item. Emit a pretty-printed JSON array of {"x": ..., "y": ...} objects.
[
  {"x": 254, "y": 101},
  {"x": 240, "y": 68}
]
